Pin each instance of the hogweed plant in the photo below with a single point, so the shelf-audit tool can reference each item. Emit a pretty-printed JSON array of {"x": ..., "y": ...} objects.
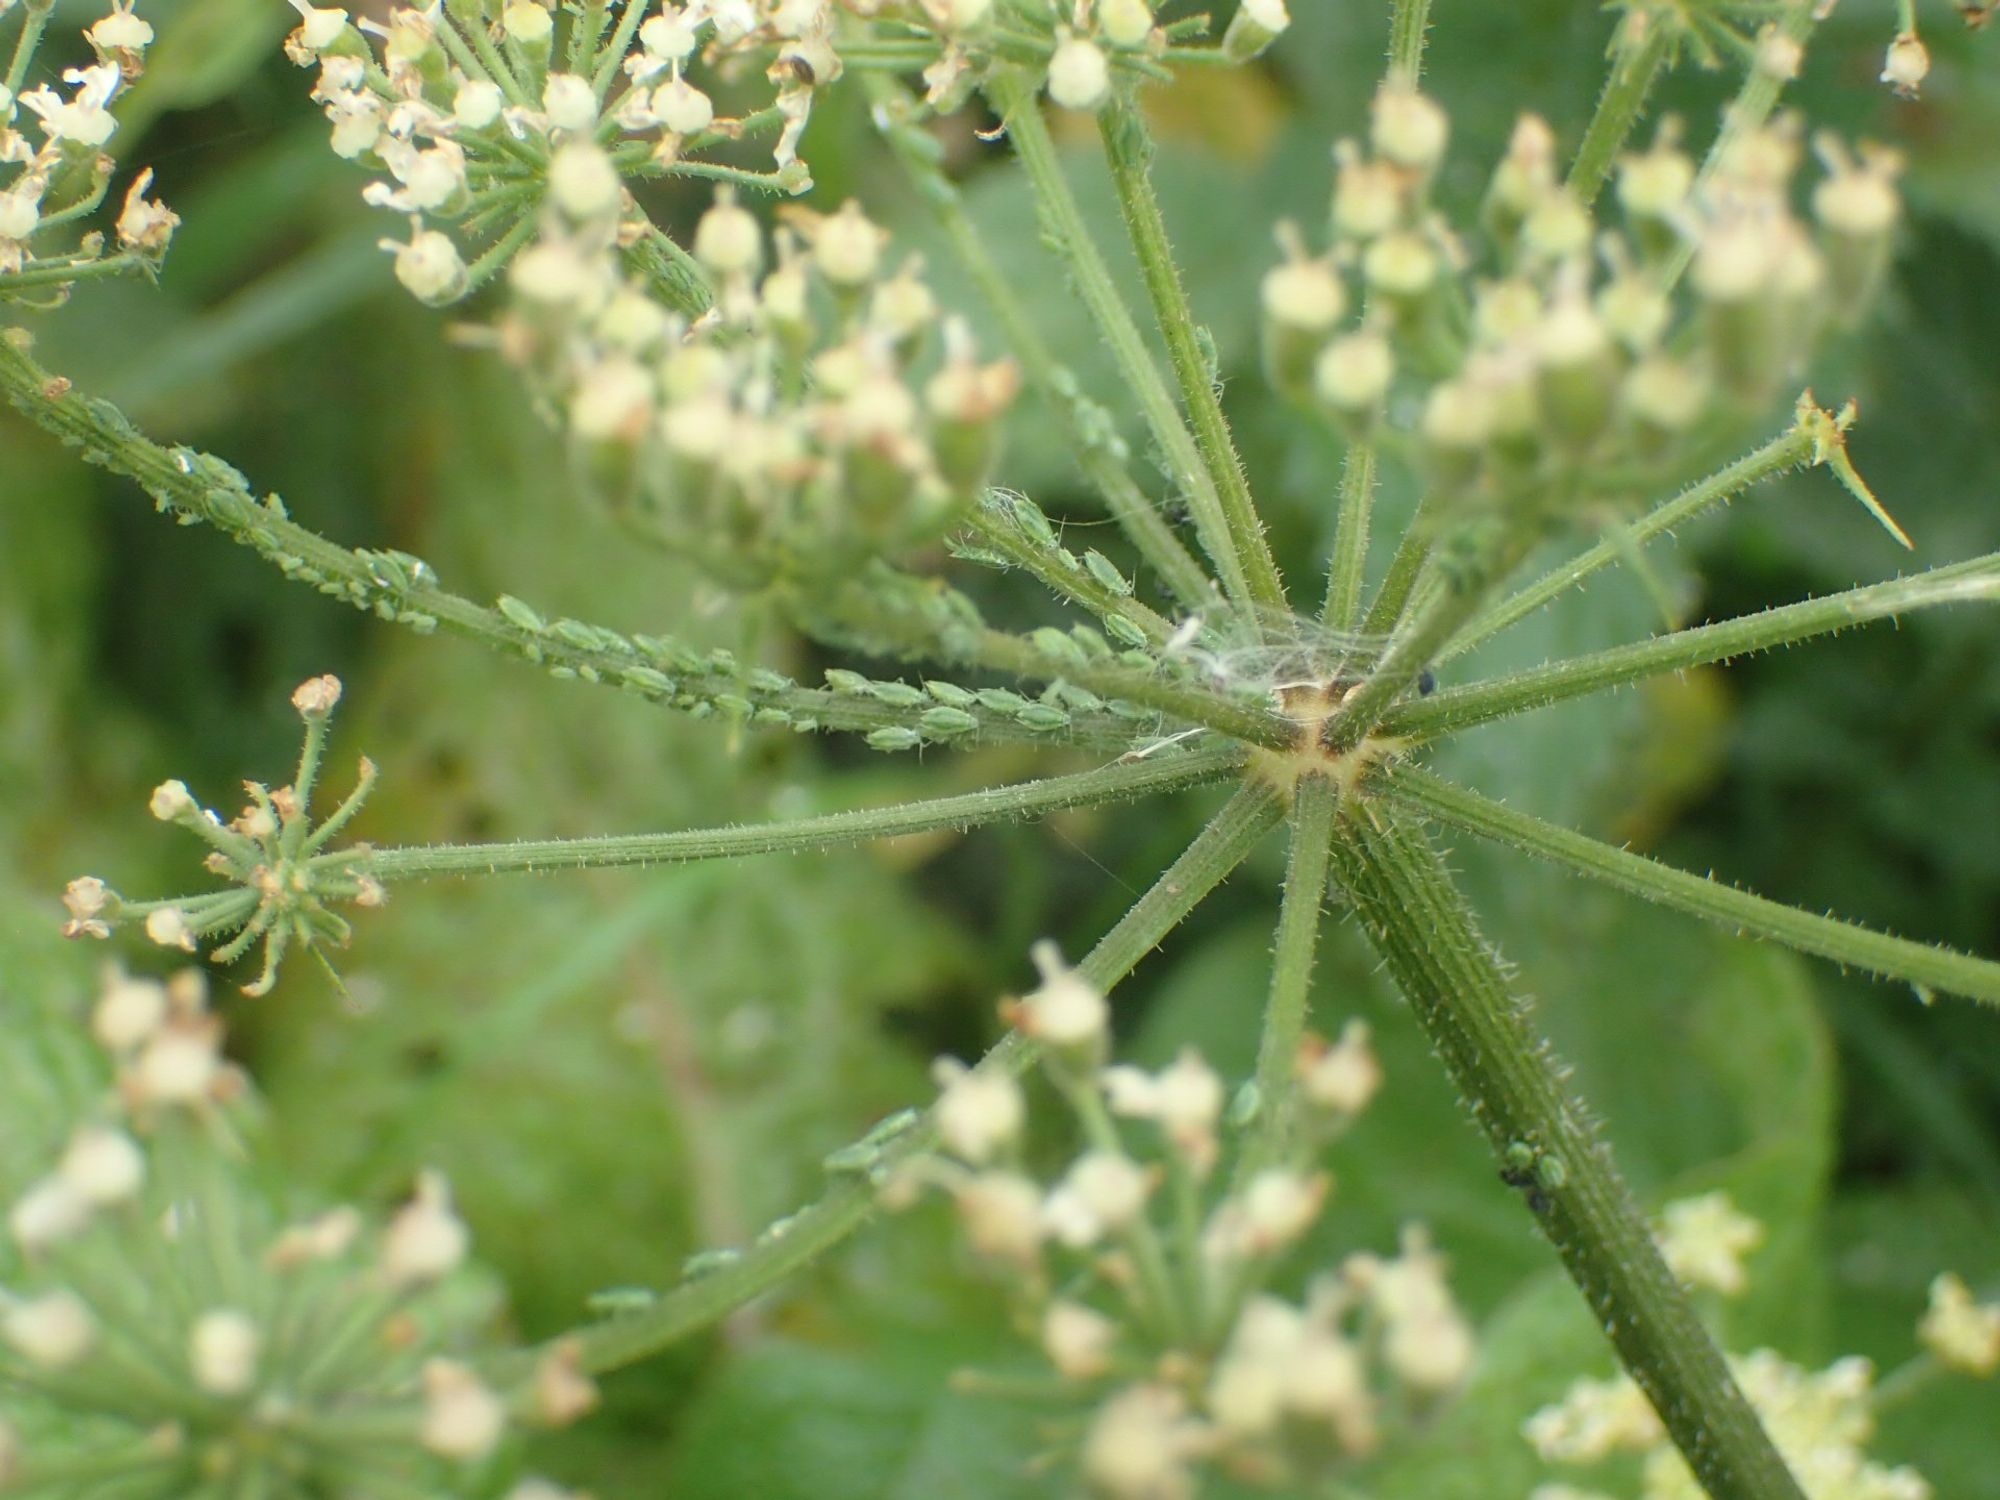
[{"x": 783, "y": 400}]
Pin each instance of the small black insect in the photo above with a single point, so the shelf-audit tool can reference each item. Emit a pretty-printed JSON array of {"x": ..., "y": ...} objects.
[{"x": 1427, "y": 682}]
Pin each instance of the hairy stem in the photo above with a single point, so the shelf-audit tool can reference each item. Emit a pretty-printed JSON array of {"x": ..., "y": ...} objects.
[
  {"x": 1783, "y": 452},
  {"x": 1412, "y": 551},
  {"x": 1407, "y": 25},
  {"x": 1026, "y": 799},
  {"x": 1314, "y": 806},
  {"x": 1206, "y": 863},
  {"x": 992, "y": 523},
  {"x": 1344, "y": 574},
  {"x": 1636, "y": 65},
  {"x": 1086, "y": 431},
  {"x": 1846, "y": 943},
  {"x": 1128, "y": 146},
  {"x": 1070, "y": 237},
  {"x": 1419, "y": 923},
  {"x": 1976, "y": 580}
]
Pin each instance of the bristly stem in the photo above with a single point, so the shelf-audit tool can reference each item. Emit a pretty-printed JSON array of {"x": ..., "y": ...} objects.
[
  {"x": 1793, "y": 447},
  {"x": 1128, "y": 147},
  {"x": 1215, "y": 853},
  {"x": 1344, "y": 574},
  {"x": 1514, "y": 1089},
  {"x": 1976, "y": 580},
  {"x": 1636, "y": 65},
  {"x": 1845, "y": 943},
  {"x": 1413, "y": 549},
  {"x": 1095, "y": 451},
  {"x": 1314, "y": 805},
  {"x": 1062, "y": 218},
  {"x": 1407, "y": 26},
  {"x": 1028, "y": 799}
]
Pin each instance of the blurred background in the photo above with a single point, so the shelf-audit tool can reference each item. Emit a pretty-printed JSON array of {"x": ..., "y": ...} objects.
[{"x": 617, "y": 1070}]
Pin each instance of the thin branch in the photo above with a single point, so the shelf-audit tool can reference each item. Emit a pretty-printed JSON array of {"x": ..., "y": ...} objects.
[
  {"x": 1514, "y": 1089},
  {"x": 1128, "y": 147},
  {"x": 1975, "y": 580},
  {"x": 1635, "y": 66},
  {"x": 1795, "y": 446},
  {"x": 1028, "y": 799},
  {"x": 1342, "y": 609},
  {"x": 1407, "y": 25},
  {"x": 1928, "y": 967},
  {"x": 1314, "y": 805},
  {"x": 1070, "y": 237},
  {"x": 1086, "y": 433},
  {"x": 795, "y": 1242}
]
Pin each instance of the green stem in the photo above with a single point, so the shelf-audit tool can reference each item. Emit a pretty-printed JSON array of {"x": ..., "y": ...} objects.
[
  {"x": 1845, "y": 943},
  {"x": 1405, "y": 567},
  {"x": 1027, "y": 799},
  {"x": 1514, "y": 1089},
  {"x": 34, "y": 21},
  {"x": 1314, "y": 805},
  {"x": 1977, "y": 579},
  {"x": 1062, "y": 219},
  {"x": 1793, "y": 447},
  {"x": 1128, "y": 147},
  {"x": 1407, "y": 26},
  {"x": 992, "y": 522},
  {"x": 1086, "y": 430},
  {"x": 1206, "y": 863},
  {"x": 196, "y": 486},
  {"x": 1634, "y": 70},
  {"x": 67, "y": 272},
  {"x": 1344, "y": 574}
]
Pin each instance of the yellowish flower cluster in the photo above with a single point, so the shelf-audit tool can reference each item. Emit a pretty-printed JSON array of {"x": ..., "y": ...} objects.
[{"x": 1147, "y": 1284}]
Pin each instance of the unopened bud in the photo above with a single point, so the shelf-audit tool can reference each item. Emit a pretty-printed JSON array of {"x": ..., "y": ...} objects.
[
  {"x": 1256, "y": 24},
  {"x": 1408, "y": 129},
  {"x": 171, "y": 802},
  {"x": 1906, "y": 64},
  {"x": 1079, "y": 75},
  {"x": 1125, "y": 23},
  {"x": 728, "y": 240},
  {"x": 462, "y": 1419},
  {"x": 1352, "y": 377},
  {"x": 582, "y": 181},
  {"x": 222, "y": 1352}
]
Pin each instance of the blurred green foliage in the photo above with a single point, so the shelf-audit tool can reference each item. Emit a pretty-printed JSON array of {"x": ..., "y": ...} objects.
[{"x": 617, "y": 1070}]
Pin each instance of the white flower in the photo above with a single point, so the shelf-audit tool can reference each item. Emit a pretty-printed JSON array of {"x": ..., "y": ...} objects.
[
  {"x": 168, "y": 926},
  {"x": 52, "y": 1331},
  {"x": 1407, "y": 128},
  {"x": 1077, "y": 1340},
  {"x": 21, "y": 208},
  {"x": 847, "y": 248},
  {"x": 1705, "y": 1239},
  {"x": 84, "y": 118},
  {"x": 1428, "y": 1342},
  {"x": 318, "y": 29},
  {"x": 425, "y": 1240},
  {"x": 128, "y": 1012},
  {"x": 1001, "y": 1212},
  {"x": 357, "y": 123},
  {"x": 1184, "y": 1099},
  {"x": 1354, "y": 371},
  {"x": 613, "y": 401},
  {"x": 978, "y": 1112},
  {"x": 582, "y": 181},
  {"x": 669, "y": 36},
  {"x": 120, "y": 31},
  {"x": 1079, "y": 74},
  {"x": 1247, "y": 1393},
  {"x": 1272, "y": 1211},
  {"x": 1962, "y": 1333},
  {"x": 1125, "y": 23},
  {"x": 1303, "y": 294},
  {"x": 1906, "y": 64},
  {"x": 1139, "y": 1445},
  {"x": 462, "y": 1418},
  {"x": 103, "y": 1165},
  {"x": 171, "y": 801},
  {"x": 178, "y": 1065},
  {"x": 222, "y": 1352},
  {"x": 1595, "y": 1419},
  {"x": 1068, "y": 1011},
  {"x": 477, "y": 103},
  {"x": 683, "y": 108},
  {"x": 431, "y": 179},
  {"x": 429, "y": 266},
  {"x": 1102, "y": 1193},
  {"x": 145, "y": 224},
  {"x": 528, "y": 23},
  {"x": 727, "y": 240},
  {"x": 1341, "y": 1079},
  {"x": 569, "y": 100},
  {"x": 322, "y": 1238},
  {"x": 50, "y": 1211}
]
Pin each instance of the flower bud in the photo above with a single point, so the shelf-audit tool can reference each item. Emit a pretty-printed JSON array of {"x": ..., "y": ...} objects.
[
  {"x": 847, "y": 248},
  {"x": 1256, "y": 24},
  {"x": 425, "y": 1240},
  {"x": 222, "y": 1352},
  {"x": 978, "y": 1113},
  {"x": 728, "y": 240},
  {"x": 168, "y": 926},
  {"x": 1078, "y": 1340},
  {"x": 462, "y": 1419},
  {"x": 1002, "y": 1216},
  {"x": 52, "y": 1331},
  {"x": 1125, "y": 23},
  {"x": 1367, "y": 195},
  {"x": 477, "y": 103},
  {"x": 1577, "y": 370},
  {"x": 966, "y": 401},
  {"x": 1525, "y": 176},
  {"x": 1302, "y": 301},
  {"x": 1408, "y": 129},
  {"x": 318, "y": 29},
  {"x": 128, "y": 1012},
  {"x": 582, "y": 181},
  {"x": 683, "y": 108},
  {"x": 171, "y": 802},
  {"x": 1340, "y": 1079},
  {"x": 568, "y": 100},
  {"x": 1906, "y": 64},
  {"x": 1665, "y": 397},
  {"x": 1857, "y": 207},
  {"x": 1352, "y": 379},
  {"x": 1067, "y": 1012},
  {"x": 1102, "y": 1193},
  {"x": 528, "y": 24},
  {"x": 102, "y": 1165},
  {"x": 49, "y": 1212},
  {"x": 1079, "y": 75}
]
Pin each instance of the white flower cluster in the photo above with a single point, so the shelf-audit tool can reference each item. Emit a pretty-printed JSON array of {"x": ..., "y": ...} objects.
[
  {"x": 1148, "y": 1287},
  {"x": 60, "y": 180},
  {"x": 471, "y": 111},
  {"x": 821, "y": 412},
  {"x": 1560, "y": 349},
  {"x": 1820, "y": 1421},
  {"x": 205, "y": 1372}
]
